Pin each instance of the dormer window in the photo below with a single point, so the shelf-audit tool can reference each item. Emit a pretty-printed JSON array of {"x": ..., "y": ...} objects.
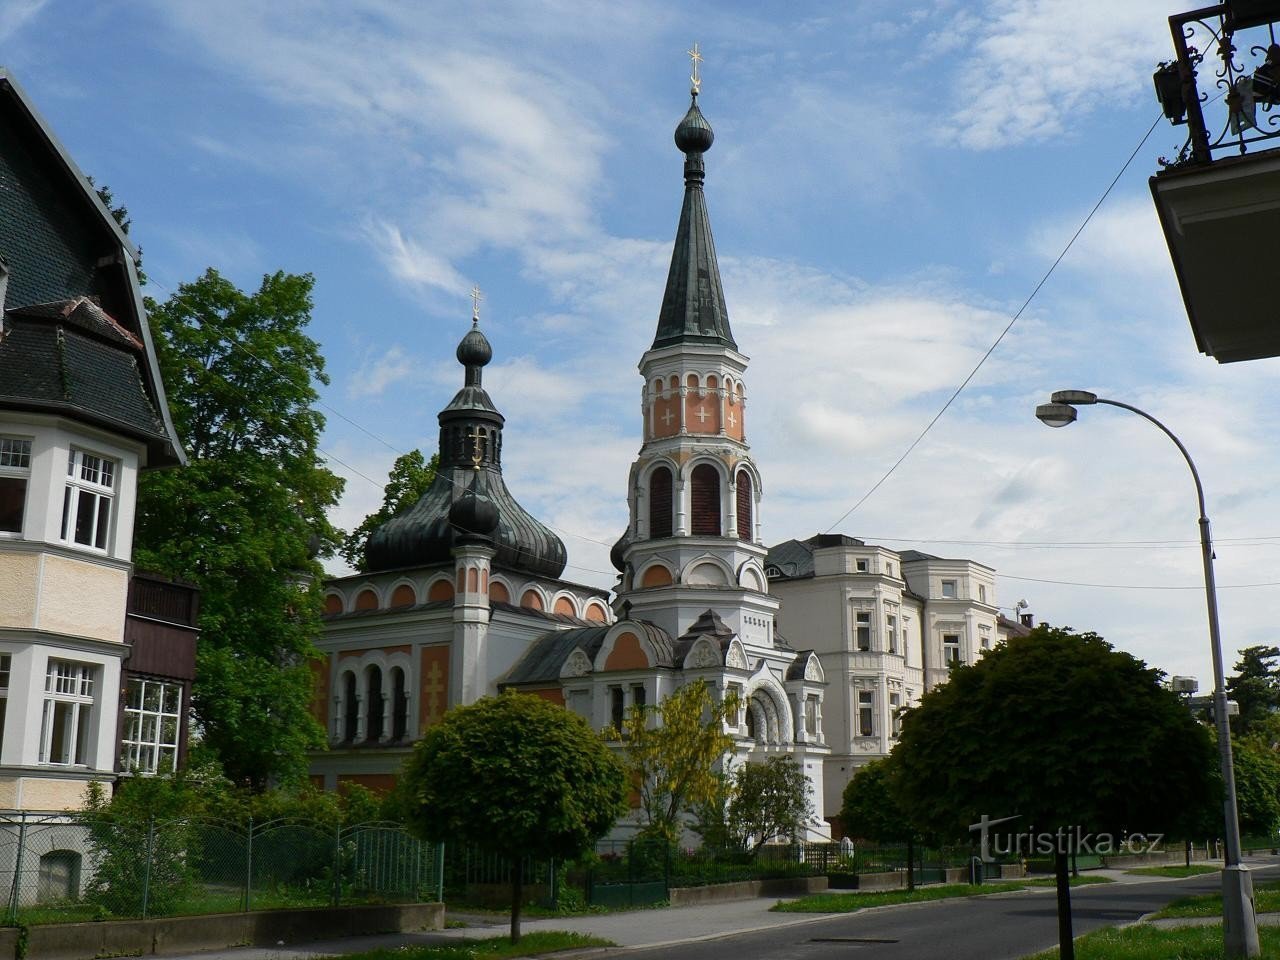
[
  {"x": 87, "y": 500},
  {"x": 15, "y": 471}
]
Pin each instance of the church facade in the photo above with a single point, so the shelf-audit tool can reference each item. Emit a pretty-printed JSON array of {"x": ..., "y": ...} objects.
[{"x": 463, "y": 597}]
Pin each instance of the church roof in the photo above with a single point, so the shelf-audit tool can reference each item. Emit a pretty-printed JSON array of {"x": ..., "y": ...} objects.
[
  {"x": 545, "y": 656},
  {"x": 470, "y": 466},
  {"x": 693, "y": 308}
]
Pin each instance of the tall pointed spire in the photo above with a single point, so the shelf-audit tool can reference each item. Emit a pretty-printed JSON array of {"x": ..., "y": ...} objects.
[{"x": 693, "y": 309}]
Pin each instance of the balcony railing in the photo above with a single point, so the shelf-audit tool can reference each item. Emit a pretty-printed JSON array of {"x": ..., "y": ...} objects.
[{"x": 1230, "y": 49}]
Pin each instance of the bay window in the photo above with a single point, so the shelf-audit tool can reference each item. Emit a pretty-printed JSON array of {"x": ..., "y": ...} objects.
[{"x": 152, "y": 720}]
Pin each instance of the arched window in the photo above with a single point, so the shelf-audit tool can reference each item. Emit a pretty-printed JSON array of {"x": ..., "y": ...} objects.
[
  {"x": 403, "y": 596},
  {"x": 373, "y": 706},
  {"x": 498, "y": 592},
  {"x": 350, "y": 707},
  {"x": 399, "y": 705},
  {"x": 745, "y": 502},
  {"x": 660, "y": 503},
  {"x": 332, "y": 605},
  {"x": 367, "y": 600},
  {"x": 705, "y": 501}
]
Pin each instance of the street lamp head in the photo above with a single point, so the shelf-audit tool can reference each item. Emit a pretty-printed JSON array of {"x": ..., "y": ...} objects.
[
  {"x": 1081, "y": 398},
  {"x": 1056, "y": 414}
]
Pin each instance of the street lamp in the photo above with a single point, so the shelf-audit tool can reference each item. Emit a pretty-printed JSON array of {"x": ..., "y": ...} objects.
[{"x": 1239, "y": 924}]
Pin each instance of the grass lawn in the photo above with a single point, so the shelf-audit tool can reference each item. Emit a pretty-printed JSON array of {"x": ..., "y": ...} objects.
[
  {"x": 1143, "y": 942},
  {"x": 490, "y": 948},
  {"x": 1195, "y": 870},
  {"x": 1266, "y": 897}
]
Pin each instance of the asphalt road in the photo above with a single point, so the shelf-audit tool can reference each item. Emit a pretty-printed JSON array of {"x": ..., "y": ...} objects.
[{"x": 990, "y": 928}]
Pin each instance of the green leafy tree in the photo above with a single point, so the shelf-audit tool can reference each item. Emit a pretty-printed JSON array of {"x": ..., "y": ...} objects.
[
  {"x": 516, "y": 776},
  {"x": 770, "y": 801},
  {"x": 870, "y": 809},
  {"x": 246, "y": 518},
  {"x": 1063, "y": 731},
  {"x": 1257, "y": 769},
  {"x": 408, "y": 480},
  {"x": 1255, "y": 687},
  {"x": 673, "y": 752}
]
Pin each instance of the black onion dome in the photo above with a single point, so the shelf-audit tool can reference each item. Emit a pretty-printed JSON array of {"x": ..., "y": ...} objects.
[
  {"x": 694, "y": 134},
  {"x": 425, "y": 534},
  {"x": 617, "y": 554},
  {"x": 473, "y": 513},
  {"x": 464, "y": 502},
  {"x": 474, "y": 349}
]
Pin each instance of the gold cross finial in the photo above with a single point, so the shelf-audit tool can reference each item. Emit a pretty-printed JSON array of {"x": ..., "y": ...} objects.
[
  {"x": 476, "y": 297},
  {"x": 695, "y": 78}
]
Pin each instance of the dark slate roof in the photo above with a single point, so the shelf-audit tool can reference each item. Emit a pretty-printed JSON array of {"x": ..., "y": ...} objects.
[
  {"x": 796, "y": 670},
  {"x": 794, "y": 558},
  {"x": 1013, "y": 627},
  {"x": 910, "y": 556},
  {"x": 379, "y": 611},
  {"x": 546, "y": 654},
  {"x": 541, "y": 614},
  {"x": 707, "y": 625},
  {"x": 693, "y": 308},
  {"x": 61, "y": 243},
  {"x": 53, "y": 363}
]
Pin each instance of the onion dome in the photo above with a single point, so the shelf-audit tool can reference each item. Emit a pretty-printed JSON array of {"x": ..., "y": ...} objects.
[
  {"x": 618, "y": 553},
  {"x": 474, "y": 349},
  {"x": 468, "y": 497},
  {"x": 694, "y": 134}
]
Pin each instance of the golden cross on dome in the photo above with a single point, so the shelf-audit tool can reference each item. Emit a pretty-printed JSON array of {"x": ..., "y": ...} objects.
[
  {"x": 695, "y": 78},
  {"x": 476, "y": 451},
  {"x": 476, "y": 297}
]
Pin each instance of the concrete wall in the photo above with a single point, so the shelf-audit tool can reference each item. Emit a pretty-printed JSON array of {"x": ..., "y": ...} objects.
[
  {"x": 113, "y": 938},
  {"x": 747, "y": 890}
]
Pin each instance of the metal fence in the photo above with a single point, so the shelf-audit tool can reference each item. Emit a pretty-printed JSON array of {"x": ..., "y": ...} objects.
[{"x": 75, "y": 867}]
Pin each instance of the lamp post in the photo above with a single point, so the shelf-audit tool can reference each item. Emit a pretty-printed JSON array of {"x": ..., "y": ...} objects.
[{"x": 1239, "y": 924}]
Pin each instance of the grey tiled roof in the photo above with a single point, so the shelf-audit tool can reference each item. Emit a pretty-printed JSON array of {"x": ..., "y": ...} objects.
[
  {"x": 56, "y": 365},
  {"x": 544, "y": 657}
]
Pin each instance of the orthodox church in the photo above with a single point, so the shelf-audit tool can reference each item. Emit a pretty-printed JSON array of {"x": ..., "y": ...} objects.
[{"x": 464, "y": 597}]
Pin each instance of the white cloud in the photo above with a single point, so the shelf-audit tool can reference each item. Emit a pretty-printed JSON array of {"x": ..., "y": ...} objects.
[
  {"x": 1031, "y": 69},
  {"x": 411, "y": 263},
  {"x": 376, "y": 374}
]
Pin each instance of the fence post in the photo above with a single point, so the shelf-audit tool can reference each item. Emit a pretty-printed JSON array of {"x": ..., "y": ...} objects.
[
  {"x": 248, "y": 870},
  {"x": 440, "y": 873},
  {"x": 337, "y": 864},
  {"x": 17, "y": 869},
  {"x": 146, "y": 870}
]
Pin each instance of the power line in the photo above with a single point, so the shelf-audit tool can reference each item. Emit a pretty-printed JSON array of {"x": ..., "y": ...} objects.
[
  {"x": 1009, "y": 326},
  {"x": 1138, "y": 586}
]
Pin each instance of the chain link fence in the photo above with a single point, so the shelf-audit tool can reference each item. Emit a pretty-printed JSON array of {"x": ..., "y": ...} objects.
[{"x": 77, "y": 867}]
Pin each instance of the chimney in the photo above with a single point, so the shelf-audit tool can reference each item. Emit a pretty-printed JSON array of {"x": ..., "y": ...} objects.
[{"x": 1027, "y": 619}]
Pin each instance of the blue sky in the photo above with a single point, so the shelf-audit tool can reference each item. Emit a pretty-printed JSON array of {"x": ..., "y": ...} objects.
[{"x": 888, "y": 183}]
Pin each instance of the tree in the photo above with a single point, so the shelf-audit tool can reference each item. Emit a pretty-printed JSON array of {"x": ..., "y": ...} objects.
[
  {"x": 516, "y": 776},
  {"x": 872, "y": 810},
  {"x": 673, "y": 752},
  {"x": 246, "y": 518},
  {"x": 1255, "y": 687},
  {"x": 770, "y": 800},
  {"x": 1257, "y": 769},
  {"x": 1062, "y": 731},
  {"x": 408, "y": 480}
]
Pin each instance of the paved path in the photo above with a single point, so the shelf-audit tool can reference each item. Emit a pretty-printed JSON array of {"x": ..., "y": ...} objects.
[{"x": 966, "y": 921}]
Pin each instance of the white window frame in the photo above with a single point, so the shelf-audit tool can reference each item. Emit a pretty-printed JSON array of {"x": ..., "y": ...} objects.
[
  {"x": 867, "y": 712},
  {"x": 15, "y": 463},
  {"x": 950, "y": 589},
  {"x": 862, "y": 631},
  {"x": 91, "y": 482},
  {"x": 982, "y": 593},
  {"x": 146, "y": 746},
  {"x": 895, "y": 715},
  {"x": 68, "y": 684},
  {"x": 950, "y": 648},
  {"x": 891, "y": 631}
]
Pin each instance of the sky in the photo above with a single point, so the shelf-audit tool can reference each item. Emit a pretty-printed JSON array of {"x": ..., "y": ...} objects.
[{"x": 889, "y": 182}]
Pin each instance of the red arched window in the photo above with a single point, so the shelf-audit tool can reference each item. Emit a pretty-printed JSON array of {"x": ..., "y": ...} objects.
[
  {"x": 705, "y": 501},
  {"x": 660, "y": 501},
  {"x": 745, "y": 502}
]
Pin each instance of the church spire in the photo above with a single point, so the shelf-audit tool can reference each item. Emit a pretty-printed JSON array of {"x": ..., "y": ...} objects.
[{"x": 693, "y": 309}]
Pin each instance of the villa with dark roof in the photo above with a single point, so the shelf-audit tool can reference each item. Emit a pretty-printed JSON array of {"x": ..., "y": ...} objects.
[
  {"x": 823, "y": 641},
  {"x": 95, "y": 662}
]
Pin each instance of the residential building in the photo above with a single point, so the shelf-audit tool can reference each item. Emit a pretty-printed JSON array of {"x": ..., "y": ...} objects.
[{"x": 82, "y": 413}]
